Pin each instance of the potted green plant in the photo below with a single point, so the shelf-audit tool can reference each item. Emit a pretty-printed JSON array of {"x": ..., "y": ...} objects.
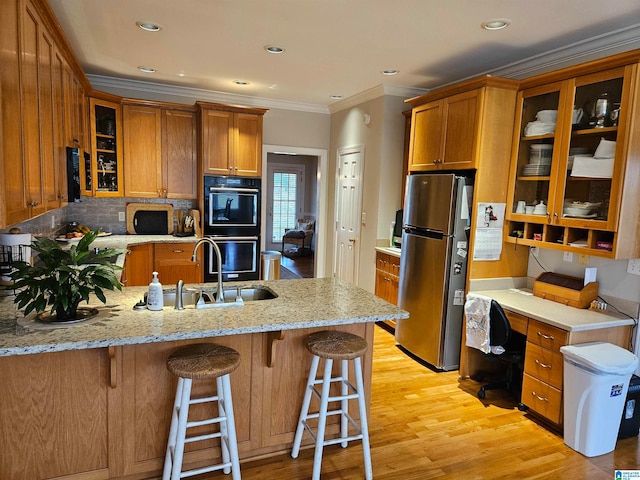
[{"x": 63, "y": 277}]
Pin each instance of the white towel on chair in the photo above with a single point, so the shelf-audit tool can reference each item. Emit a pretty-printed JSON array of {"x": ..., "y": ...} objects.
[{"x": 476, "y": 310}]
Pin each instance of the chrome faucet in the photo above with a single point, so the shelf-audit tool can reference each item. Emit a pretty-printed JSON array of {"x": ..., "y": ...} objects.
[
  {"x": 194, "y": 258},
  {"x": 178, "y": 305}
]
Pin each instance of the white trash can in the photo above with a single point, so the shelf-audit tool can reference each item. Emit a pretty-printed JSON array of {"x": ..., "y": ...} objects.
[
  {"x": 596, "y": 380},
  {"x": 270, "y": 265}
]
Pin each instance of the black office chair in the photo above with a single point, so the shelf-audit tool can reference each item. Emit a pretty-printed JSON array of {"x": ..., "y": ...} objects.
[{"x": 500, "y": 334}]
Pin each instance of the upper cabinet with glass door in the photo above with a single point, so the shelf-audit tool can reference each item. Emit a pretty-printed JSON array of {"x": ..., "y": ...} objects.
[
  {"x": 593, "y": 170},
  {"x": 538, "y": 134},
  {"x": 570, "y": 163}
]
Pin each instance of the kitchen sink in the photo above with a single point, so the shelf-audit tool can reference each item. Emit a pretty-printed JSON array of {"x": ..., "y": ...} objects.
[
  {"x": 249, "y": 294},
  {"x": 236, "y": 296},
  {"x": 232, "y": 296},
  {"x": 189, "y": 297}
]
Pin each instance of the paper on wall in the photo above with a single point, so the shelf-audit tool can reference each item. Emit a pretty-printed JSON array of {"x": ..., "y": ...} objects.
[{"x": 488, "y": 234}]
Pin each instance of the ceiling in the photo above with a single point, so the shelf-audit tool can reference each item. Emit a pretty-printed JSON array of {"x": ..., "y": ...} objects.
[{"x": 338, "y": 47}]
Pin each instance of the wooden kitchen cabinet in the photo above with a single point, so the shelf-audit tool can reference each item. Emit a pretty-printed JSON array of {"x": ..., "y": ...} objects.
[
  {"x": 605, "y": 226},
  {"x": 142, "y": 134},
  {"x": 33, "y": 157},
  {"x": 173, "y": 262},
  {"x": 138, "y": 266},
  {"x": 445, "y": 132},
  {"x": 106, "y": 147},
  {"x": 61, "y": 405},
  {"x": 387, "y": 279},
  {"x": 542, "y": 383},
  {"x": 231, "y": 140},
  {"x": 180, "y": 153},
  {"x": 159, "y": 151}
]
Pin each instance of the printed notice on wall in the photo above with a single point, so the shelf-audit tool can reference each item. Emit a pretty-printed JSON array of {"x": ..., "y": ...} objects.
[{"x": 488, "y": 235}]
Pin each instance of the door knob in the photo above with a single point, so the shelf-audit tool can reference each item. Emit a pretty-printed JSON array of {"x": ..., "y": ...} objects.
[{"x": 352, "y": 240}]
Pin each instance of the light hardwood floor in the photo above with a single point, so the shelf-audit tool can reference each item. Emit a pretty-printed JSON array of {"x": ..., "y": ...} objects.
[{"x": 426, "y": 425}]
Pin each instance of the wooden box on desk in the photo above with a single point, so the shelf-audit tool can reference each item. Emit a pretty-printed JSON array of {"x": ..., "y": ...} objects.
[{"x": 565, "y": 289}]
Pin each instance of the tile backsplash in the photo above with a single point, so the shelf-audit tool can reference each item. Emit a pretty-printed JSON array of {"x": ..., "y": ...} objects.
[{"x": 94, "y": 212}]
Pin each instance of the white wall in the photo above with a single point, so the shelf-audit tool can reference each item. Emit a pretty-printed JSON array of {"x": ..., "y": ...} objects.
[
  {"x": 383, "y": 140},
  {"x": 612, "y": 275}
]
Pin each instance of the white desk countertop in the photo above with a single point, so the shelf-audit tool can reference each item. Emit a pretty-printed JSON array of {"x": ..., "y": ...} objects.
[
  {"x": 572, "y": 319},
  {"x": 395, "y": 251}
]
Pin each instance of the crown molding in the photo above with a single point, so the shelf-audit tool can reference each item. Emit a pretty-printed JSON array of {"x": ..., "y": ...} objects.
[
  {"x": 191, "y": 94},
  {"x": 375, "y": 92},
  {"x": 593, "y": 48},
  {"x": 600, "y": 46}
]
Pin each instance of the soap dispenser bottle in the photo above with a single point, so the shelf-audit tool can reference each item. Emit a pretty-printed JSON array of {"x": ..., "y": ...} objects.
[{"x": 154, "y": 296}]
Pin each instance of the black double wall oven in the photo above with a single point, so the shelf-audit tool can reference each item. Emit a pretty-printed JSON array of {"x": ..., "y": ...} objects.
[{"x": 232, "y": 220}]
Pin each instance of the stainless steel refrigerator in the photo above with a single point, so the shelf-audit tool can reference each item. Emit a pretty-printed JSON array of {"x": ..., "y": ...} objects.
[{"x": 433, "y": 266}]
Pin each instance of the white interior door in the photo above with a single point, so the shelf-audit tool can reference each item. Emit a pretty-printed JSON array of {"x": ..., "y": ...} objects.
[
  {"x": 285, "y": 198},
  {"x": 348, "y": 212}
]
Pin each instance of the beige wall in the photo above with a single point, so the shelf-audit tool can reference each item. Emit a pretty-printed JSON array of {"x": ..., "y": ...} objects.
[{"x": 383, "y": 141}]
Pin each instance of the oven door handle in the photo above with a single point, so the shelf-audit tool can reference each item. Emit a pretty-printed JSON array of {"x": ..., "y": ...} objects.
[
  {"x": 227, "y": 189},
  {"x": 225, "y": 238}
]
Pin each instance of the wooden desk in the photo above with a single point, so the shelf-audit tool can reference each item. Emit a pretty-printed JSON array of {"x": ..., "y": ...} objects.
[{"x": 547, "y": 326}]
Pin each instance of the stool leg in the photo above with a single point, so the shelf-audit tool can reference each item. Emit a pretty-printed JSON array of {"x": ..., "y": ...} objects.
[
  {"x": 364, "y": 426},
  {"x": 322, "y": 419},
  {"x": 224, "y": 439},
  {"x": 231, "y": 428},
  {"x": 344, "y": 422},
  {"x": 305, "y": 407},
  {"x": 173, "y": 430},
  {"x": 181, "y": 433}
]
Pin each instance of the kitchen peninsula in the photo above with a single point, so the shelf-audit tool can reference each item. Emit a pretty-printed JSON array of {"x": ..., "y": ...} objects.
[{"x": 93, "y": 400}]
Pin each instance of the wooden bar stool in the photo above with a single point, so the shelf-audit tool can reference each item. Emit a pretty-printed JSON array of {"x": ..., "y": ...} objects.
[
  {"x": 332, "y": 345},
  {"x": 202, "y": 361}
]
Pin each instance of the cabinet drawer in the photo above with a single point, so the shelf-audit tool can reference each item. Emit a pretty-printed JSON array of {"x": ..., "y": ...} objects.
[
  {"x": 544, "y": 364},
  {"x": 383, "y": 262},
  {"x": 173, "y": 251},
  {"x": 542, "y": 398},
  {"x": 394, "y": 265},
  {"x": 518, "y": 322},
  {"x": 546, "y": 336}
]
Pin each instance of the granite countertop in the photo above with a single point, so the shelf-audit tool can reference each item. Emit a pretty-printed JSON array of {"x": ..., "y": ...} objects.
[
  {"x": 522, "y": 301},
  {"x": 304, "y": 303}
]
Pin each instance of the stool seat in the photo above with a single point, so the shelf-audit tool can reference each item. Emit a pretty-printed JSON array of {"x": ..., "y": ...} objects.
[
  {"x": 203, "y": 361},
  {"x": 336, "y": 345}
]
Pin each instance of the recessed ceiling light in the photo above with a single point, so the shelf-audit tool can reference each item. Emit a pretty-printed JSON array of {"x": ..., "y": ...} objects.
[
  {"x": 241, "y": 82},
  {"x": 148, "y": 26},
  {"x": 336, "y": 97},
  {"x": 496, "y": 24},
  {"x": 390, "y": 71},
  {"x": 147, "y": 69},
  {"x": 273, "y": 49}
]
